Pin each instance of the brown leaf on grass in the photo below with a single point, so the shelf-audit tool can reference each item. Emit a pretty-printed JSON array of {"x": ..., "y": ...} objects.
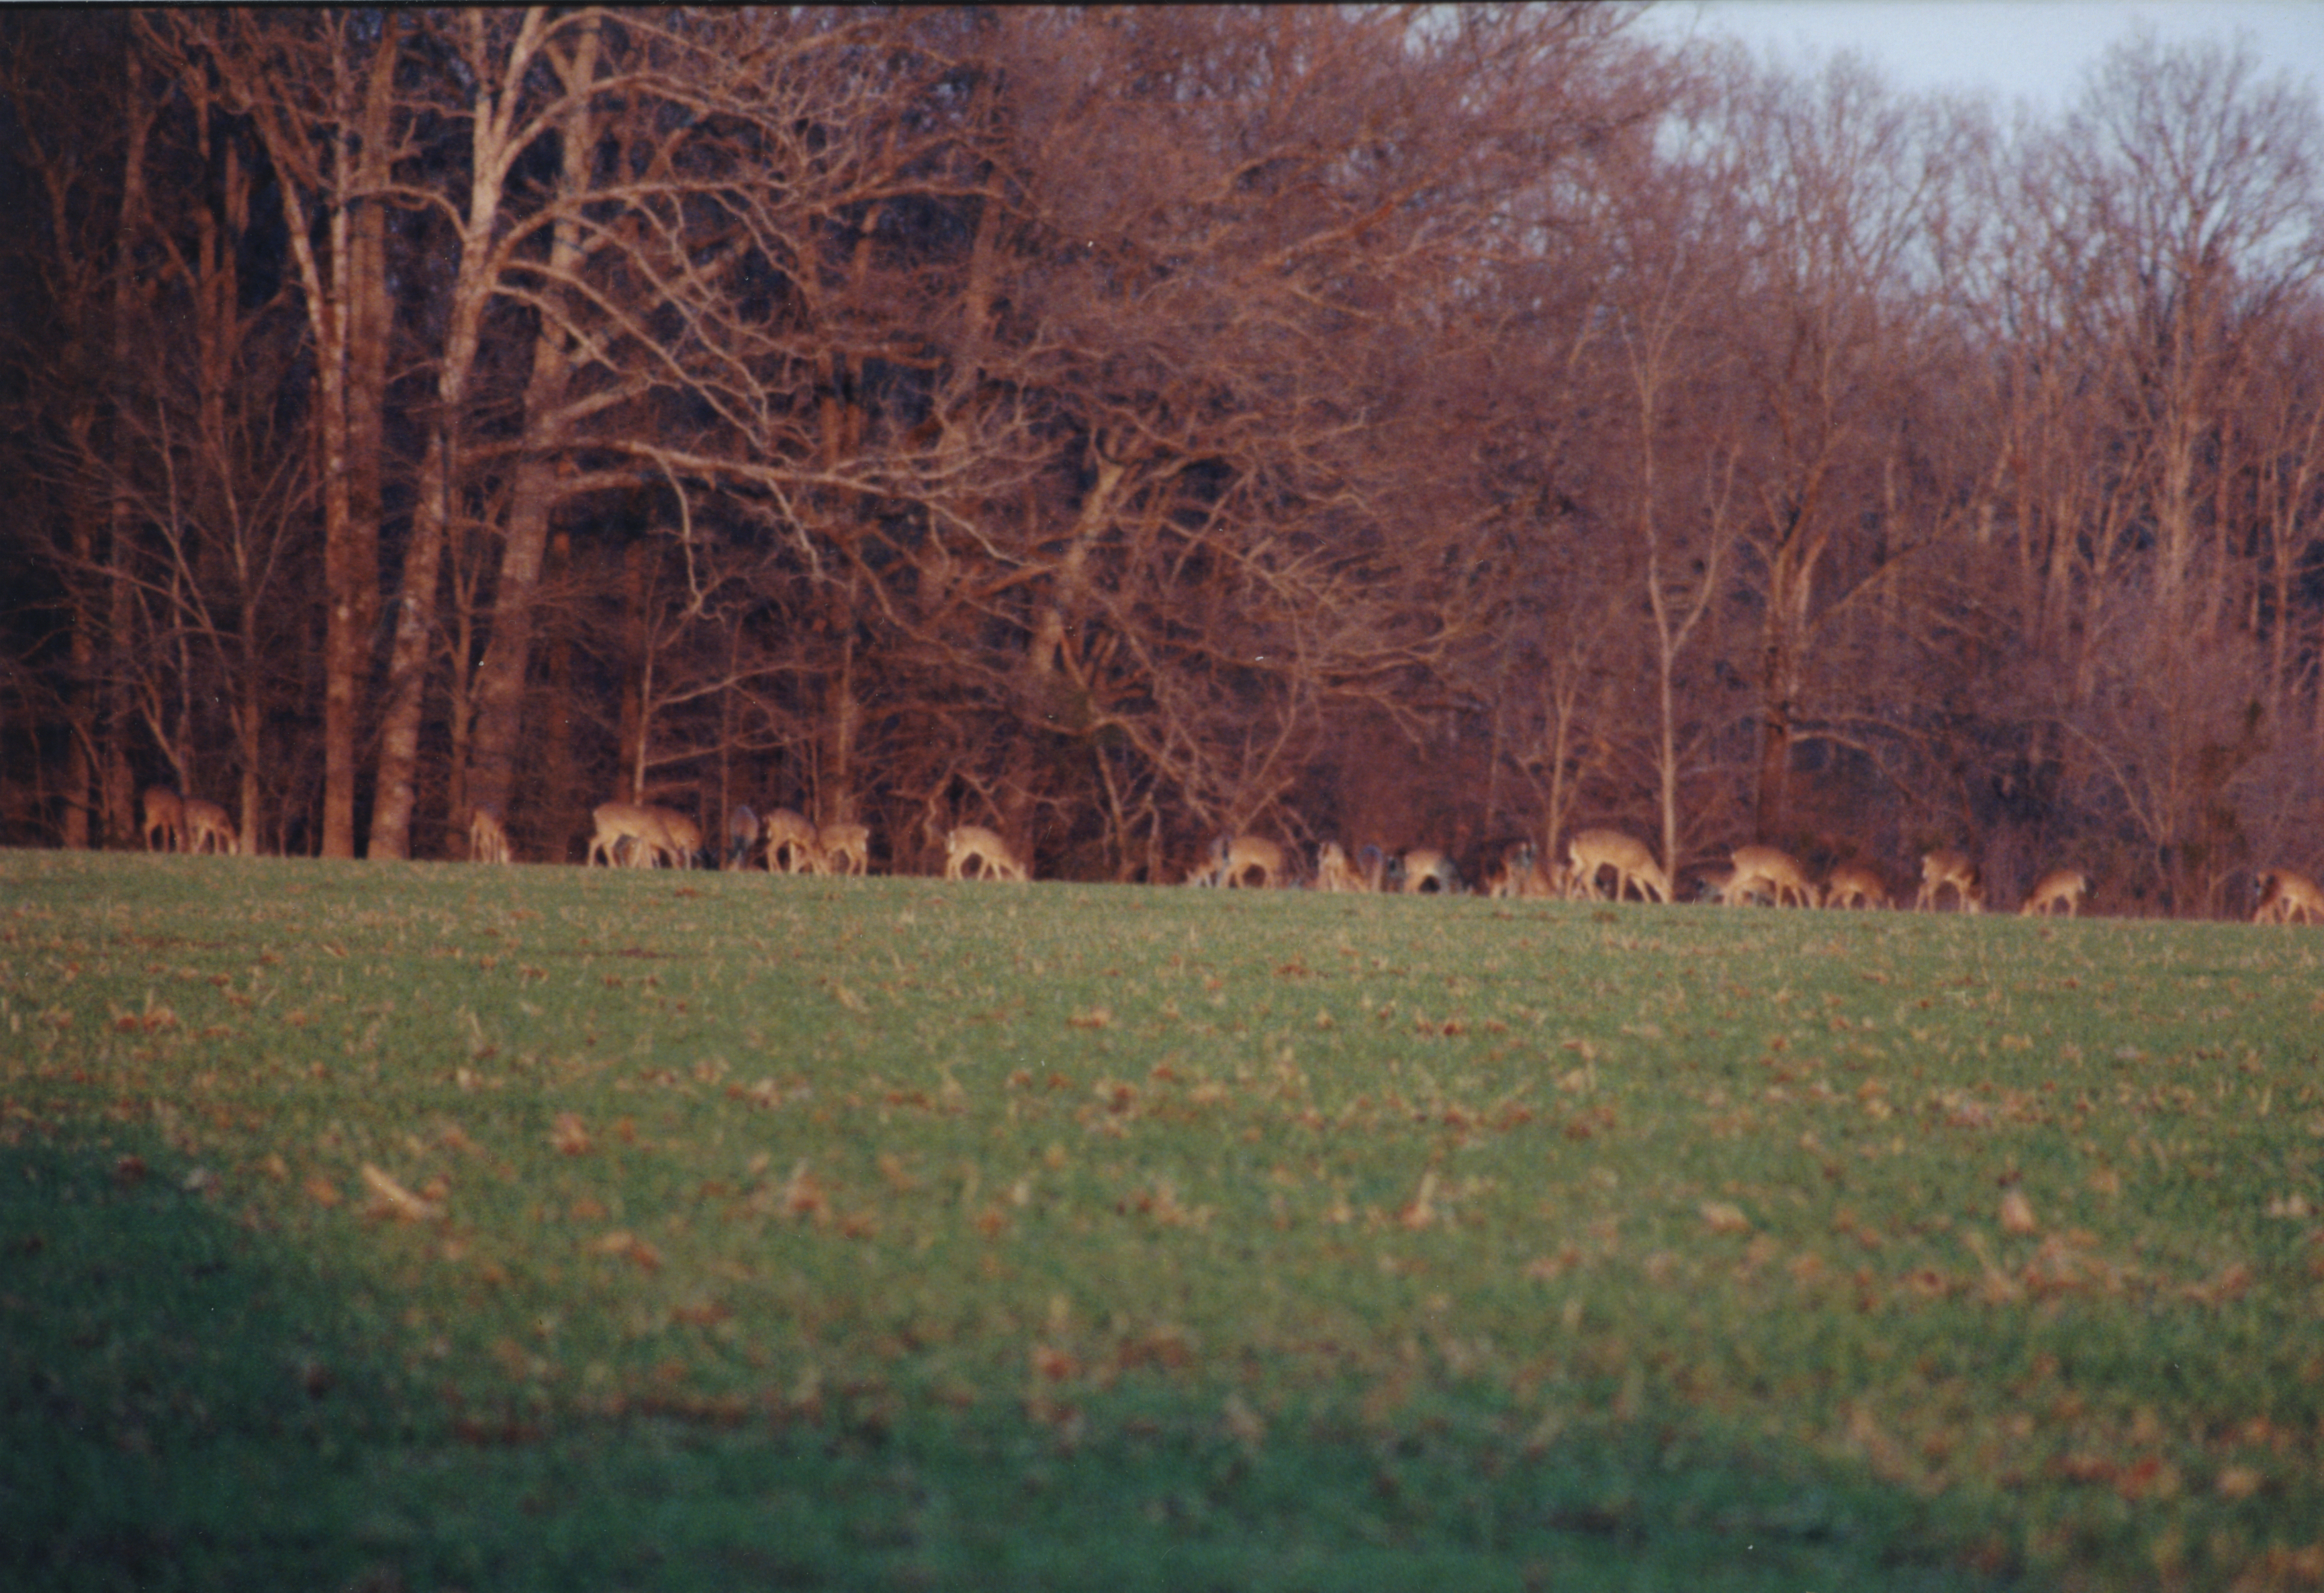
[
  {"x": 2239, "y": 1482},
  {"x": 1421, "y": 1210},
  {"x": 2017, "y": 1214},
  {"x": 570, "y": 1135},
  {"x": 321, "y": 1190},
  {"x": 1242, "y": 1424},
  {"x": 803, "y": 1194},
  {"x": 391, "y": 1199},
  {"x": 622, "y": 1242},
  {"x": 1548, "y": 1269},
  {"x": 129, "y": 1171},
  {"x": 1724, "y": 1217}
]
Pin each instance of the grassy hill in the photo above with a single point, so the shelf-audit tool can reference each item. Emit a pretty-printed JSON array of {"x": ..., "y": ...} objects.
[{"x": 425, "y": 1227}]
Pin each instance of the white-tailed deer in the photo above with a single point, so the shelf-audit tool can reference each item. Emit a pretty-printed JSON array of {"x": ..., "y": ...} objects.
[
  {"x": 1334, "y": 871},
  {"x": 2285, "y": 896},
  {"x": 1853, "y": 885},
  {"x": 1425, "y": 868},
  {"x": 1778, "y": 871},
  {"x": 790, "y": 842},
  {"x": 654, "y": 834},
  {"x": 165, "y": 816},
  {"x": 488, "y": 841},
  {"x": 2059, "y": 888},
  {"x": 1522, "y": 876},
  {"x": 741, "y": 834},
  {"x": 991, "y": 854},
  {"x": 1233, "y": 856},
  {"x": 210, "y": 827},
  {"x": 843, "y": 848},
  {"x": 1940, "y": 869},
  {"x": 1633, "y": 866}
]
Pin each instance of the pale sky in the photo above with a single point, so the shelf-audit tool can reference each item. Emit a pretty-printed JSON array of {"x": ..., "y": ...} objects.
[{"x": 2036, "y": 50}]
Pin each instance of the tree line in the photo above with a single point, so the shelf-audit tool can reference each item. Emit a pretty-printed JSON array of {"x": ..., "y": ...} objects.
[{"x": 1113, "y": 428}]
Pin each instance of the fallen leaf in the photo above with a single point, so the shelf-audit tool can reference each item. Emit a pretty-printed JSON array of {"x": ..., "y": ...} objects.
[
  {"x": 1724, "y": 1217},
  {"x": 2017, "y": 1214},
  {"x": 391, "y": 1199},
  {"x": 568, "y": 1135}
]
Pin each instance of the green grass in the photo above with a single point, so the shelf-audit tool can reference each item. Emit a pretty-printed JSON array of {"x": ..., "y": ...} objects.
[{"x": 888, "y": 1234}]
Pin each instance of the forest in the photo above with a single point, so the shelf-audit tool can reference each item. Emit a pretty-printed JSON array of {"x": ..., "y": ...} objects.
[{"x": 1397, "y": 426}]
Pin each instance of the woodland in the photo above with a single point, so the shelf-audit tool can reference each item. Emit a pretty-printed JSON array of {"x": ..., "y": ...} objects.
[{"x": 1433, "y": 425}]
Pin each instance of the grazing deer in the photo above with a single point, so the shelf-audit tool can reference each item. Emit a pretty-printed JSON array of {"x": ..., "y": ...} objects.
[
  {"x": 994, "y": 859},
  {"x": 1522, "y": 876},
  {"x": 790, "y": 842},
  {"x": 1424, "y": 869},
  {"x": 843, "y": 848},
  {"x": 741, "y": 834},
  {"x": 488, "y": 841},
  {"x": 1334, "y": 871},
  {"x": 1233, "y": 856},
  {"x": 1633, "y": 866},
  {"x": 1852, "y": 885},
  {"x": 208, "y": 826},
  {"x": 2059, "y": 887},
  {"x": 2285, "y": 896},
  {"x": 1940, "y": 869},
  {"x": 652, "y": 834},
  {"x": 1777, "y": 870},
  {"x": 165, "y": 816}
]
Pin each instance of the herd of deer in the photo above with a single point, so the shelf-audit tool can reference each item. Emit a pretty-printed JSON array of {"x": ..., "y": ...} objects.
[{"x": 641, "y": 836}]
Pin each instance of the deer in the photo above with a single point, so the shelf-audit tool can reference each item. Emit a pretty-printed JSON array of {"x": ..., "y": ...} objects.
[
  {"x": 843, "y": 848},
  {"x": 1424, "y": 867},
  {"x": 790, "y": 842},
  {"x": 1522, "y": 876},
  {"x": 1633, "y": 866},
  {"x": 1334, "y": 871},
  {"x": 742, "y": 835},
  {"x": 2285, "y": 896},
  {"x": 1853, "y": 885},
  {"x": 1777, "y": 870},
  {"x": 991, "y": 854},
  {"x": 1233, "y": 856},
  {"x": 165, "y": 816},
  {"x": 1940, "y": 869},
  {"x": 653, "y": 832},
  {"x": 208, "y": 826},
  {"x": 2059, "y": 888},
  {"x": 488, "y": 841}
]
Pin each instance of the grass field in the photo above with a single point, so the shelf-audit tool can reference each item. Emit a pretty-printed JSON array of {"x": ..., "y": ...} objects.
[{"x": 423, "y": 1227}]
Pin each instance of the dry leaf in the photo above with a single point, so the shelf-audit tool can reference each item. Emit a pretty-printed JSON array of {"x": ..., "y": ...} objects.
[
  {"x": 2017, "y": 1214},
  {"x": 391, "y": 1199},
  {"x": 568, "y": 1135},
  {"x": 321, "y": 1190},
  {"x": 1724, "y": 1217}
]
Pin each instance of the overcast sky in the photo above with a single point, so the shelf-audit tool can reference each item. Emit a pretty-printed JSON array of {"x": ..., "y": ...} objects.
[{"x": 2035, "y": 49}]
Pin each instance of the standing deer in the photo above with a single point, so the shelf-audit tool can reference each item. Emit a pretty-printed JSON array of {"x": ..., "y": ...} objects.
[
  {"x": 1940, "y": 869},
  {"x": 1425, "y": 869},
  {"x": 843, "y": 848},
  {"x": 165, "y": 814},
  {"x": 1233, "y": 856},
  {"x": 1633, "y": 866},
  {"x": 2059, "y": 888},
  {"x": 1334, "y": 871},
  {"x": 790, "y": 842},
  {"x": 1853, "y": 885},
  {"x": 742, "y": 835},
  {"x": 1778, "y": 871},
  {"x": 654, "y": 834},
  {"x": 989, "y": 851},
  {"x": 2285, "y": 896},
  {"x": 210, "y": 827},
  {"x": 488, "y": 841}
]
